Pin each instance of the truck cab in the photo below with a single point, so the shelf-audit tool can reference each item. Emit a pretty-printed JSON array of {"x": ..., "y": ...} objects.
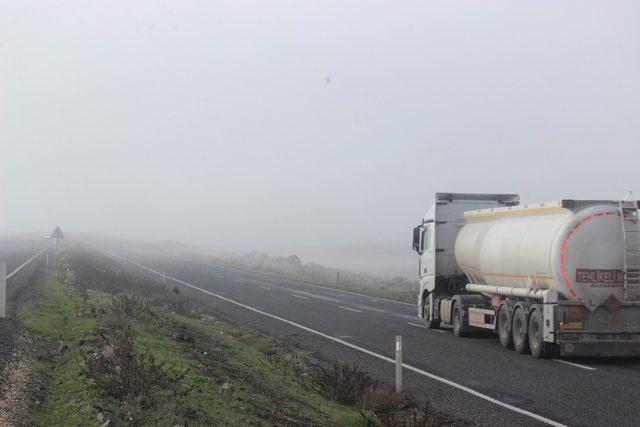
[{"x": 434, "y": 241}]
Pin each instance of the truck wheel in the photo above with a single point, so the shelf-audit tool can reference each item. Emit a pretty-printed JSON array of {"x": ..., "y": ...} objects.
[
  {"x": 457, "y": 320},
  {"x": 504, "y": 325},
  {"x": 536, "y": 338},
  {"x": 519, "y": 331},
  {"x": 431, "y": 324},
  {"x": 428, "y": 322}
]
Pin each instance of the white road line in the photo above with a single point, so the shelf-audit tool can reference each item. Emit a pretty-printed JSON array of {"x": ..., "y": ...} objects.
[
  {"x": 264, "y": 287},
  {"x": 424, "y": 327},
  {"x": 326, "y": 288},
  {"x": 238, "y": 281},
  {"x": 299, "y": 296},
  {"x": 344, "y": 336},
  {"x": 577, "y": 365},
  {"x": 350, "y": 309},
  {"x": 358, "y": 348},
  {"x": 27, "y": 262}
]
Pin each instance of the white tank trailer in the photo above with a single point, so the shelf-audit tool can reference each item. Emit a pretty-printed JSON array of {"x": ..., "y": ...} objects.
[{"x": 546, "y": 278}]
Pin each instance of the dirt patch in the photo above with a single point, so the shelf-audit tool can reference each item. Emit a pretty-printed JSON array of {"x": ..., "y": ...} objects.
[
  {"x": 18, "y": 347},
  {"x": 17, "y": 375}
]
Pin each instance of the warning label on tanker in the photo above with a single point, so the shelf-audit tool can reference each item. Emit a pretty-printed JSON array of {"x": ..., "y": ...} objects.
[{"x": 600, "y": 278}]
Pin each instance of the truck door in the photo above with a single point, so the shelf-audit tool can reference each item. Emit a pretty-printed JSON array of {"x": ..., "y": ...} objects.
[{"x": 427, "y": 257}]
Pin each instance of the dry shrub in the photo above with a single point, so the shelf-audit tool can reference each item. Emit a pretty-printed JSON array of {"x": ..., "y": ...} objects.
[
  {"x": 122, "y": 372},
  {"x": 382, "y": 400},
  {"x": 100, "y": 273},
  {"x": 414, "y": 418},
  {"x": 132, "y": 305},
  {"x": 176, "y": 302},
  {"x": 181, "y": 333},
  {"x": 343, "y": 383}
]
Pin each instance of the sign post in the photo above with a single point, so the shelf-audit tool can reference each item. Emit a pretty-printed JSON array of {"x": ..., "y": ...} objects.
[
  {"x": 57, "y": 234},
  {"x": 3, "y": 289},
  {"x": 398, "y": 364}
]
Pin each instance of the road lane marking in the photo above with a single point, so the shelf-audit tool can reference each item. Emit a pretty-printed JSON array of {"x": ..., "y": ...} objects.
[
  {"x": 322, "y": 297},
  {"x": 350, "y": 309},
  {"x": 577, "y": 365},
  {"x": 8, "y": 276},
  {"x": 355, "y": 347},
  {"x": 251, "y": 281},
  {"x": 299, "y": 296},
  {"x": 294, "y": 282},
  {"x": 326, "y": 288},
  {"x": 264, "y": 287},
  {"x": 238, "y": 281},
  {"x": 424, "y": 327},
  {"x": 344, "y": 336}
]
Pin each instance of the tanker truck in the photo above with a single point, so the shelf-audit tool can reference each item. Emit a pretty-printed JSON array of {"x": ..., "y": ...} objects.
[{"x": 547, "y": 278}]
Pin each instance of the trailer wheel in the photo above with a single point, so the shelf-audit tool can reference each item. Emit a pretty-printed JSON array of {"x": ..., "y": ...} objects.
[
  {"x": 504, "y": 325},
  {"x": 536, "y": 338},
  {"x": 457, "y": 320},
  {"x": 519, "y": 331}
]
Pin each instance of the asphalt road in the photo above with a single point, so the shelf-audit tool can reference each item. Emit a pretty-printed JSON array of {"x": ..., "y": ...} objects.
[
  {"x": 472, "y": 380},
  {"x": 21, "y": 264},
  {"x": 21, "y": 269}
]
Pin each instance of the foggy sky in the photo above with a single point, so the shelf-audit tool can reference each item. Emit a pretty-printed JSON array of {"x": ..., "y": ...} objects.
[{"x": 320, "y": 128}]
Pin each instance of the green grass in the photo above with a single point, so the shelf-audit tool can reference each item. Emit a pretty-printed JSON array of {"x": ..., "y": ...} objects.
[
  {"x": 69, "y": 397},
  {"x": 264, "y": 392},
  {"x": 265, "y": 388}
]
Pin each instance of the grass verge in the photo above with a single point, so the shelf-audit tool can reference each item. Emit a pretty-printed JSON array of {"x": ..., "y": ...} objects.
[{"x": 148, "y": 357}]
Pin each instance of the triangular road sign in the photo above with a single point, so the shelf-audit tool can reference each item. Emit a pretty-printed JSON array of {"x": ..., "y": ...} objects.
[{"x": 57, "y": 234}]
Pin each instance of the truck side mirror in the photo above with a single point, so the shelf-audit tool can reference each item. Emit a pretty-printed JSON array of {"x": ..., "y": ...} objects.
[{"x": 417, "y": 232}]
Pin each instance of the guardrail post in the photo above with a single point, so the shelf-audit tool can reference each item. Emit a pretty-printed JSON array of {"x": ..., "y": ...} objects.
[
  {"x": 3, "y": 289},
  {"x": 398, "y": 364}
]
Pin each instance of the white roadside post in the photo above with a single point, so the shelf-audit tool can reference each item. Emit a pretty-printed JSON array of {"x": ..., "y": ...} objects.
[
  {"x": 164, "y": 276},
  {"x": 3, "y": 289},
  {"x": 398, "y": 364},
  {"x": 47, "y": 258}
]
